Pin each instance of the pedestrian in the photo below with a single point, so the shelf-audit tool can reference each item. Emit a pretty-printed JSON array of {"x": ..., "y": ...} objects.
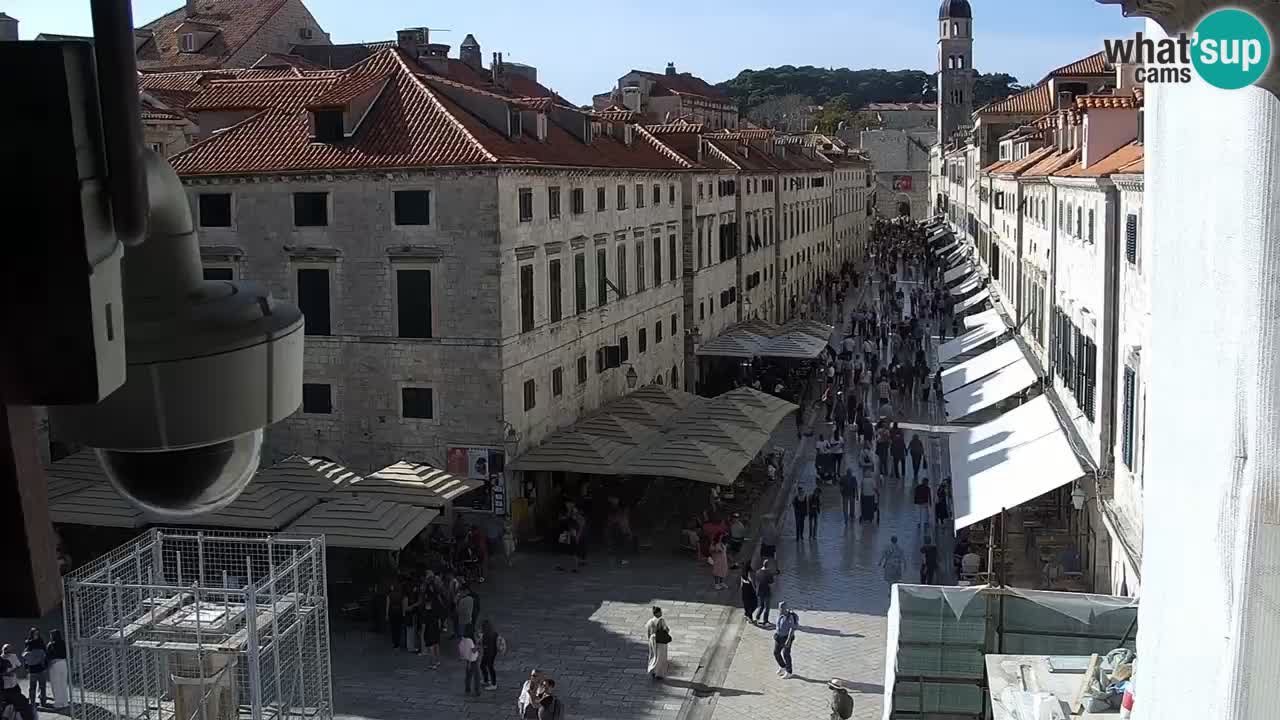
[
  {"x": 848, "y": 494},
  {"x": 924, "y": 503},
  {"x": 784, "y": 635},
  {"x": 530, "y": 691},
  {"x": 747, "y": 582},
  {"x": 892, "y": 561},
  {"x": 815, "y": 508},
  {"x": 769, "y": 538},
  {"x": 56, "y": 653},
  {"x": 928, "y": 561},
  {"x": 841, "y": 702},
  {"x": 659, "y": 636},
  {"x": 916, "y": 449},
  {"x": 799, "y": 509},
  {"x": 396, "y": 603},
  {"x": 464, "y": 612},
  {"x": 869, "y": 495},
  {"x": 491, "y": 645},
  {"x": 764, "y": 590},
  {"x": 841, "y": 415},
  {"x": 10, "y": 692},
  {"x": 719, "y": 562},
  {"x": 898, "y": 451},
  {"x": 34, "y": 660},
  {"x": 550, "y": 706},
  {"x": 469, "y": 653},
  {"x": 942, "y": 502}
]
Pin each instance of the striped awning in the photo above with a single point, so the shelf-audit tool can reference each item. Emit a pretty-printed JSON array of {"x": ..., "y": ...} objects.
[
  {"x": 412, "y": 483},
  {"x": 966, "y": 287},
  {"x": 972, "y": 301},
  {"x": 797, "y": 344},
  {"x": 819, "y": 330},
  {"x": 737, "y": 343},
  {"x": 957, "y": 273},
  {"x": 986, "y": 317},
  {"x": 364, "y": 523}
]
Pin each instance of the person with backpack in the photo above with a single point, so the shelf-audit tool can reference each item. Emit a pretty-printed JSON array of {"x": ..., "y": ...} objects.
[
  {"x": 659, "y": 636},
  {"x": 841, "y": 702},
  {"x": 491, "y": 645},
  {"x": 10, "y": 692},
  {"x": 784, "y": 636},
  {"x": 469, "y": 652},
  {"x": 33, "y": 659}
]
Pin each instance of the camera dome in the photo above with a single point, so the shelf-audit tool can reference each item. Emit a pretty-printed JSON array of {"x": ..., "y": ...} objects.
[{"x": 184, "y": 482}]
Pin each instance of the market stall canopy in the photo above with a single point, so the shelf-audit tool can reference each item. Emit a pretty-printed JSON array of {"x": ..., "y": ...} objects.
[
  {"x": 306, "y": 473},
  {"x": 972, "y": 281},
  {"x": 939, "y": 233},
  {"x": 1015, "y": 458},
  {"x": 958, "y": 273},
  {"x": 954, "y": 257},
  {"x": 364, "y": 523},
  {"x": 976, "y": 368},
  {"x": 988, "y": 391},
  {"x": 702, "y": 439},
  {"x": 799, "y": 339},
  {"x": 412, "y": 483},
  {"x": 797, "y": 344},
  {"x": 972, "y": 301},
  {"x": 819, "y": 330},
  {"x": 944, "y": 249},
  {"x": 986, "y": 317},
  {"x": 971, "y": 340},
  {"x": 737, "y": 343}
]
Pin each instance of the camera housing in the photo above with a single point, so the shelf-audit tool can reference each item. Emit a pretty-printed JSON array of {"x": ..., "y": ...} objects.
[{"x": 209, "y": 364}]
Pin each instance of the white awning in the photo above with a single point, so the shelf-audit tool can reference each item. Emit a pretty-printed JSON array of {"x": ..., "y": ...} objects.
[
  {"x": 976, "y": 368},
  {"x": 956, "y": 273},
  {"x": 412, "y": 483},
  {"x": 938, "y": 233},
  {"x": 1017, "y": 457},
  {"x": 990, "y": 390},
  {"x": 946, "y": 247},
  {"x": 986, "y": 317},
  {"x": 737, "y": 343},
  {"x": 364, "y": 523},
  {"x": 972, "y": 301},
  {"x": 970, "y": 340},
  {"x": 968, "y": 285}
]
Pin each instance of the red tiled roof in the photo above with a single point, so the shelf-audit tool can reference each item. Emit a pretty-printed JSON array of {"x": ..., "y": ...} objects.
[
  {"x": 683, "y": 84},
  {"x": 1051, "y": 163},
  {"x": 236, "y": 21},
  {"x": 1093, "y": 66},
  {"x": 1086, "y": 102},
  {"x": 271, "y": 60},
  {"x": 410, "y": 125},
  {"x": 679, "y": 126},
  {"x": 1032, "y": 101},
  {"x": 892, "y": 106},
  {"x": 1107, "y": 165},
  {"x": 617, "y": 115},
  {"x": 348, "y": 89},
  {"x": 1018, "y": 167}
]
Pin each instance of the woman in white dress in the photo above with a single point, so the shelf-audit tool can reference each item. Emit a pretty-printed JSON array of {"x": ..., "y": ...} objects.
[
  {"x": 56, "y": 659},
  {"x": 659, "y": 636},
  {"x": 892, "y": 561}
]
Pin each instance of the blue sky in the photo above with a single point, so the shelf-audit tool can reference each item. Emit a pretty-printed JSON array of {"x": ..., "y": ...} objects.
[{"x": 582, "y": 48}]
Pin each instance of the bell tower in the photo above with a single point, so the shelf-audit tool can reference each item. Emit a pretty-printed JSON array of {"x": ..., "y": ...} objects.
[{"x": 955, "y": 67}]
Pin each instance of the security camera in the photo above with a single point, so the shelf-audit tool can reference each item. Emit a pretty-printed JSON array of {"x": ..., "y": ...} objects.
[{"x": 209, "y": 365}]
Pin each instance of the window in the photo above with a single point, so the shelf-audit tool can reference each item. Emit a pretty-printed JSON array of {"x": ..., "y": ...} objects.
[
  {"x": 702, "y": 310},
  {"x": 673, "y": 326},
  {"x": 642, "y": 341},
  {"x": 1127, "y": 417},
  {"x": 310, "y": 209},
  {"x": 675, "y": 377},
  {"x": 639, "y": 267},
  {"x": 557, "y": 382},
  {"x": 304, "y": 33},
  {"x": 313, "y": 299},
  {"x": 639, "y": 195},
  {"x": 620, "y": 273},
  {"x": 1090, "y": 224},
  {"x": 553, "y": 202},
  {"x": 413, "y": 303},
  {"x": 555, "y": 292},
  {"x": 579, "y": 283},
  {"x": 1131, "y": 238},
  {"x": 577, "y": 201},
  {"x": 582, "y": 369},
  {"x": 530, "y": 395},
  {"x": 417, "y": 403},
  {"x": 601, "y": 197},
  {"x": 1080, "y": 222},
  {"x": 188, "y": 42},
  {"x": 602, "y": 277},
  {"x": 671, "y": 193},
  {"x": 317, "y": 398},
  {"x": 526, "y": 204},
  {"x": 657, "y": 261},
  {"x": 671, "y": 257},
  {"x": 328, "y": 126},
  {"x": 657, "y": 194},
  {"x": 622, "y": 197},
  {"x": 215, "y": 210},
  {"x": 624, "y": 350},
  {"x": 412, "y": 207},
  {"x": 219, "y": 273},
  {"x": 526, "y": 298},
  {"x": 657, "y": 332}
]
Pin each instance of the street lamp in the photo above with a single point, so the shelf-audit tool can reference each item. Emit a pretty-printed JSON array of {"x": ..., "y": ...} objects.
[
  {"x": 1078, "y": 497},
  {"x": 632, "y": 377}
]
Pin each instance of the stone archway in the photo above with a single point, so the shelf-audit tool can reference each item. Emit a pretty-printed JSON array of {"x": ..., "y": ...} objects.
[{"x": 902, "y": 203}]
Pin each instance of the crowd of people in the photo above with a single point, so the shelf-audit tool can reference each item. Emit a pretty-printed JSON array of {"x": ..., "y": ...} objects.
[{"x": 43, "y": 664}]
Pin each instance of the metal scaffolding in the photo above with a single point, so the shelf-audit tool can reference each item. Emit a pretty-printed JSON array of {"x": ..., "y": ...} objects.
[{"x": 191, "y": 625}]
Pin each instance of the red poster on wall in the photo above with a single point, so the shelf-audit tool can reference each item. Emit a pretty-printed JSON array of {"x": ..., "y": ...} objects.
[{"x": 902, "y": 183}]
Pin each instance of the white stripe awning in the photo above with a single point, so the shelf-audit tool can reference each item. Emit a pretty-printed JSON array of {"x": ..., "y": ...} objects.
[
  {"x": 970, "y": 340},
  {"x": 364, "y": 523},
  {"x": 972, "y": 301},
  {"x": 413, "y": 483},
  {"x": 1015, "y": 458},
  {"x": 988, "y": 391},
  {"x": 972, "y": 282},
  {"x": 957, "y": 273},
  {"x": 976, "y": 368},
  {"x": 986, "y": 317}
]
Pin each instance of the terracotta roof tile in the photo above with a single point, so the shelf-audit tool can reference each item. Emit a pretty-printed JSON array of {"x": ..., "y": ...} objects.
[
  {"x": 683, "y": 84},
  {"x": 1107, "y": 165},
  {"x": 236, "y": 21},
  {"x": 1106, "y": 101},
  {"x": 675, "y": 127},
  {"x": 893, "y": 106},
  {"x": 1134, "y": 167},
  {"x": 1018, "y": 167},
  {"x": 617, "y": 115},
  {"x": 271, "y": 60},
  {"x": 348, "y": 89},
  {"x": 1094, "y": 65},
  {"x": 411, "y": 124},
  {"x": 1052, "y": 163},
  {"x": 1032, "y": 101}
]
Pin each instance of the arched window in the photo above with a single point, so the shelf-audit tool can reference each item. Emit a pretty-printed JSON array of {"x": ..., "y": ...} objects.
[
  {"x": 955, "y": 28},
  {"x": 960, "y": 62},
  {"x": 675, "y": 377}
]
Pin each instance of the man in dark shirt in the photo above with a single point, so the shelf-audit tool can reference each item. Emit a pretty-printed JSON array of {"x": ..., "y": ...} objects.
[
  {"x": 923, "y": 501},
  {"x": 928, "y": 562}
]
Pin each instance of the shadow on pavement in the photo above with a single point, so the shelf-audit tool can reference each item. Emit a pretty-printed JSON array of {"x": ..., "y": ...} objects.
[
  {"x": 704, "y": 690},
  {"x": 830, "y": 632}
]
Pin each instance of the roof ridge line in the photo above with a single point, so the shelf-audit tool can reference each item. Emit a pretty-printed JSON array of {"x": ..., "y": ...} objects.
[
  {"x": 219, "y": 134},
  {"x": 431, "y": 97},
  {"x": 662, "y": 147},
  {"x": 726, "y": 156},
  {"x": 279, "y": 6}
]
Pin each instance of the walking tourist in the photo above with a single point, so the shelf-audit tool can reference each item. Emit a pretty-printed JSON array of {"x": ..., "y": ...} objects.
[
  {"x": 9, "y": 689},
  {"x": 747, "y": 583},
  {"x": 928, "y": 561},
  {"x": 34, "y": 660},
  {"x": 916, "y": 449},
  {"x": 784, "y": 636},
  {"x": 550, "y": 707},
  {"x": 800, "y": 510},
  {"x": 56, "y": 653},
  {"x": 530, "y": 691},
  {"x": 924, "y": 503},
  {"x": 892, "y": 561},
  {"x": 719, "y": 559},
  {"x": 764, "y": 590},
  {"x": 491, "y": 645},
  {"x": 659, "y": 636},
  {"x": 469, "y": 653},
  {"x": 848, "y": 494}
]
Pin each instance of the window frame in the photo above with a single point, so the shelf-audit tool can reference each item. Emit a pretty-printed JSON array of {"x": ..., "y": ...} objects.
[
  {"x": 432, "y": 299},
  {"x": 431, "y": 210},
  {"x": 557, "y": 382},
  {"x": 583, "y": 369},
  {"x": 231, "y": 211},
  {"x": 529, "y": 320},
  {"x": 602, "y": 199},
  {"x": 328, "y": 398},
  {"x": 529, "y": 394},
  {"x": 555, "y": 289},
  {"x": 434, "y": 418},
  {"x": 328, "y": 208},
  {"x": 524, "y": 196},
  {"x": 554, "y": 202},
  {"x": 577, "y": 201},
  {"x": 331, "y": 270}
]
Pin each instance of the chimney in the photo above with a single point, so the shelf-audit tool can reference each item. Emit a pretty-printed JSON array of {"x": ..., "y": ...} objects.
[
  {"x": 671, "y": 68},
  {"x": 469, "y": 52},
  {"x": 1065, "y": 98},
  {"x": 1126, "y": 78},
  {"x": 411, "y": 40},
  {"x": 8, "y": 28},
  {"x": 497, "y": 70},
  {"x": 631, "y": 98},
  {"x": 435, "y": 56},
  {"x": 191, "y": 8}
]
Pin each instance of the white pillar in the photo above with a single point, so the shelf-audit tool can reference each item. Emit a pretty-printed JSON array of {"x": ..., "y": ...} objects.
[{"x": 1209, "y": 621}]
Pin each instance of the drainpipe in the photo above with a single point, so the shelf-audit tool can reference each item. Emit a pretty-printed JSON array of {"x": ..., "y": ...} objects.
[{"x": 1111, "y": 236}]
